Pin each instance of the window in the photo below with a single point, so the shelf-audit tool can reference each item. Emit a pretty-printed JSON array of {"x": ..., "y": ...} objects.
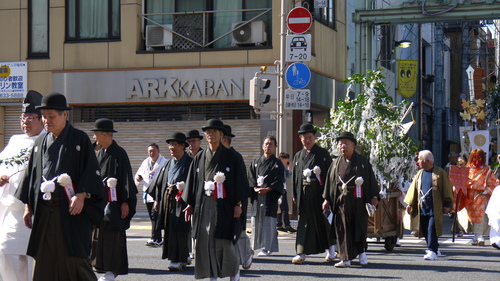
[
  {"x": 92, "y": 20},
  {"x": 208, "y": 23},
  {"x": 326, "y": 15},
  {"x": 38, "y": 21}
]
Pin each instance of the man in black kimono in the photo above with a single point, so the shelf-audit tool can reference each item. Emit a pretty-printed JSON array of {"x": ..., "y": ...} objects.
[
  {"x": 350, "y": 184},
  {"x": 109, "y": 247},
  {"x": 64, "y": 209},
  {"x": 266, "y": 176},
  {"x": 214, "y": 197},
  {"x": 309, "y": 168},
  {"x": 193, "y": 139},
  {"x": 167, "y": 188}
]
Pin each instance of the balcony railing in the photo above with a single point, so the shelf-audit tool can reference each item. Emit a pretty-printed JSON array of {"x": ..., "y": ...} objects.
[{"x": 203, "y": 29}]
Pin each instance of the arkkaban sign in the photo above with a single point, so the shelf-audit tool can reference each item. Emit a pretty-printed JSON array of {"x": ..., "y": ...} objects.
[{"x": 156, "y": 85}]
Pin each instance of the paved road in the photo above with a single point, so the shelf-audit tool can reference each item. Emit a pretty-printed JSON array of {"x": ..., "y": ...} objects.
[{"x": 460, "y": 261}]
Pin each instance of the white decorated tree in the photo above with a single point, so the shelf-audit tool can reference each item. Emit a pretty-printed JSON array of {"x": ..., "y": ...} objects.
[{"x": 378, "y": 127}]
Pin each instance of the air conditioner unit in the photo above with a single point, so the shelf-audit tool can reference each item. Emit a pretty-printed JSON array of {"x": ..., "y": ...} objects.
[
  {"x": 252, "y": 33},
  {"x": 158, "y": 36}
]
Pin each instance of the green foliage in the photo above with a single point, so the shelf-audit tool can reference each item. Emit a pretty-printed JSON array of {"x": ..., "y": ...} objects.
[
  {"x": 377, "y": 126},
  {"x": 492, "y": 105}
]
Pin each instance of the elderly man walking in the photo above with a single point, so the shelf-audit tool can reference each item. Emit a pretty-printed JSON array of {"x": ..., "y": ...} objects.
[
  {"x": 145, "y": 174},
  {"x": 214, "y": 197},
  {"x": 350, "y": 185},
  {"x": 63, "y": 193},
  {"x": 309, "y": 168},
  {"x": 167, "y": 188},
  {"x": 429, "y": 197}
]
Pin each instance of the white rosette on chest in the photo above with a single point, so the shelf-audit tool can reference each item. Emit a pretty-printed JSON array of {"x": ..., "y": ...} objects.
[
  {"x": 112, "y": 194},
  {"x": 317, "y": 172},
  {"x": 220, "y": 189},
  {"x": 180, "y": 189},
  {"x": 358, "y": 191},
  {"x": 65, "y": 181}
]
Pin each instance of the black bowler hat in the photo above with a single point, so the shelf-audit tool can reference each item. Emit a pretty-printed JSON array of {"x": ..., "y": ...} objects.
[
  {"x": 346, "y": 135},
  {"x": 103, "y": 125},
  {"x": 178, "y": 137},
  {"x": 194, "y": 134},
  {"x": 31, "y": 101},
  {"x": 228, "y": 131},
  {"x": 307, "y": 128},
  {"x": 214, "y": 124},
  {"x": 54, "y": 101}
]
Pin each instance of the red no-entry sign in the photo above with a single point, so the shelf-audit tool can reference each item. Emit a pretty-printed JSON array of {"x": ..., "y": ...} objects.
[{"x": 299, "y": 20}]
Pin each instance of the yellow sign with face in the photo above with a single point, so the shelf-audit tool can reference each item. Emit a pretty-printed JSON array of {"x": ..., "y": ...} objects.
[{"x": 407, "y": 77}]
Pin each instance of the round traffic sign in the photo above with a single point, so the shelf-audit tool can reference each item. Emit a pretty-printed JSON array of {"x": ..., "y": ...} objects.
[
  {"x": 299, "y": 20},
  {"x": 298, "y": 75}
]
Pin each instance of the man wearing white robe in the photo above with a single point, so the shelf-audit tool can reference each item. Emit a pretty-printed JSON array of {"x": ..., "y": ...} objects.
[
  {"x": 493, "y": 212},
  {"x": 145, "y": 174},
  {"x": 15, "y": 265}
]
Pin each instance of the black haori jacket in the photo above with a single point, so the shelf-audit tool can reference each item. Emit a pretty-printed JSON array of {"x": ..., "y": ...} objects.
[
  {"x": 236, "y": 186},
  {"x": 115, "y": 163},
  {"x": 274, "y": 171},
  {"x": 76, "y": 157}
]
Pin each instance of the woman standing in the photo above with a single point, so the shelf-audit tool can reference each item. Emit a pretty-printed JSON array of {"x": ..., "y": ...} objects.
[{"x": 482, "y": 182}]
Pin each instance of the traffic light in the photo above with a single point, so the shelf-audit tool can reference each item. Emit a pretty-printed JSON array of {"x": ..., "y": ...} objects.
[{"x": 257, "y": 96}]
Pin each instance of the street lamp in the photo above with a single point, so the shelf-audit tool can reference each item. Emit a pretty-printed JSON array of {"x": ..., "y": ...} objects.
[{"x": 402, "y": 44}]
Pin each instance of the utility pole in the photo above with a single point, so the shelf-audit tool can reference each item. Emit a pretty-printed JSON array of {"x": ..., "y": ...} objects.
[
  {"x": 440, "y": 96},
  {"x": 281, "y": 120}
]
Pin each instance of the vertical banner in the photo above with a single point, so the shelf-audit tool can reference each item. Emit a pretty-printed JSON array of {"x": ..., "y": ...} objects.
[
  {"x": 407, "y": 77},
  {"x": 480, "y": 139}
]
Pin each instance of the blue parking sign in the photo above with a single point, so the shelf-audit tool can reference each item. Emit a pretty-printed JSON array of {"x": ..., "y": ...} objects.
[{"x": 298, "y": 75}]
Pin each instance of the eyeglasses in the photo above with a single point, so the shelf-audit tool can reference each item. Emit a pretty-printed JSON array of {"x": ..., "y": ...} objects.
[{"x": 27, "y": 118}]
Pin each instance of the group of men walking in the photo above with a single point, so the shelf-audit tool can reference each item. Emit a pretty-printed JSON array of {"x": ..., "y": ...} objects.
[{"x": 77, "y": 202}]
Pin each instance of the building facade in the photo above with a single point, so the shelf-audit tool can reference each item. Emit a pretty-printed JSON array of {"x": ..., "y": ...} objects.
[{"x": 158, "y": 66}]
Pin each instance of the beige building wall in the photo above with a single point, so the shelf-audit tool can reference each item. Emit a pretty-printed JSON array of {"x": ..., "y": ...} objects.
[{"x": 329, "y": 46}]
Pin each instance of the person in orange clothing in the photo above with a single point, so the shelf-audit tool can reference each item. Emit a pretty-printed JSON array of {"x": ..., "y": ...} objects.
[{"x": 482, "y": 182}]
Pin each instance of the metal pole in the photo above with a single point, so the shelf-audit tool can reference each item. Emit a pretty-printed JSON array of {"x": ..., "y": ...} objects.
[
  {"x": 281, "y": 127},
  {"x": 439, "y": 94}
]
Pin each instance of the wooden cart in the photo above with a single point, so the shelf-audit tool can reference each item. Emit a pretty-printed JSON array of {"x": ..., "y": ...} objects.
[{"x": 386, "y": 222}]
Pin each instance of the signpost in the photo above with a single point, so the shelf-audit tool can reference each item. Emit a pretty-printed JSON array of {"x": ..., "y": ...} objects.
[
  {"x": 299, "y": 20},
  {"x": 298, "y": 99},
  {"x": 298, "y": 47},
  {"x": 13, "y": 79},
  {"x": 298, "y": 75},
  {"x": 320, "y": 4}
]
